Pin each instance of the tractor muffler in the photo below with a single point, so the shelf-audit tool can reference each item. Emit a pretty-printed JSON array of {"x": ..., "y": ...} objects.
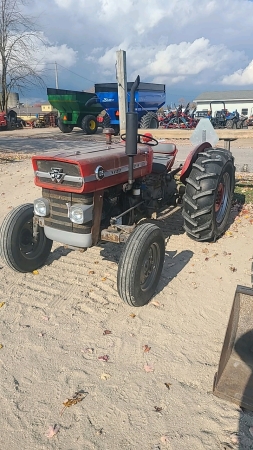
[
  {"x": 131, "y": 132},
  {"x": 234, "y": 379}
]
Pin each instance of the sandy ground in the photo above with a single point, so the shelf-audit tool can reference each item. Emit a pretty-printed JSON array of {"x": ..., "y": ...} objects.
[{"x": 53, "y": 335}]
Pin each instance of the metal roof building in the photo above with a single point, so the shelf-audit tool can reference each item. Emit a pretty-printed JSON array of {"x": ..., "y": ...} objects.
[{"x": 242, "y": 100}]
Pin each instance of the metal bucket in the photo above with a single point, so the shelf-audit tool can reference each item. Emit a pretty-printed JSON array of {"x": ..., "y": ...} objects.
[{"x": 234, "y": 379}]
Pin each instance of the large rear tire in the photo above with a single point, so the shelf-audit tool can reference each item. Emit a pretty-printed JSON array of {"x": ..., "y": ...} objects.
[
  {"x": 208, "y": 195},
  {"x": 89, "y": 124},
  {"x": 18, "y": 248},
  {"x": 150, "y": 120},
  {"x": 141, "y": 264},
  {"x": 63, "y": 127}
]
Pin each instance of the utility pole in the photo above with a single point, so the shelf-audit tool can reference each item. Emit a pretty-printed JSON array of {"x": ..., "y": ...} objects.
[
  {"x": 122, "y": 88},
  {"x": 56, "y": 76}
]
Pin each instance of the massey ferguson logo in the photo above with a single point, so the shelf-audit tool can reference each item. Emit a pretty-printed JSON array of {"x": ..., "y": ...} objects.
[{"x": 57, "y": 175}]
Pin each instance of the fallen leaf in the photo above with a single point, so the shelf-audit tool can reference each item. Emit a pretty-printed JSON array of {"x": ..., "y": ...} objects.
[
  {"x": 132, "y": 315},
  {"x": 96, "y": 262},
  {"x": 77, "y": 397},
  {"x": 103, "y": 279},
  {"x": 91, "y": 272},
  {"x": 88, "y": 350},
  {"x": 228, "y": 233},
  {"x": 35, "y": 272},
  {"x": 103, "y": 358},
  {"x": 148, "y": 368},
  {"x": 155, "y": 303},
  {"x": 167, "y": 385},
  {"x": 205, "y": 250},
  {"x": 53, "y": 430},
  {"x": 206, "y": 259},
  {"x": 146, "y": 348},
  {"x": 1, "y": 346},
  {"x": 41, "y": 334},
  {"x": 232, "y": 268},
  {"x": 107, "y": 332},
  {"x": 234, "y": 438},
  {"x": 105, "y": 376},
  {"x": 2, "y": 304},
  {"x": 158, "y": 408},
  {"x": 45, "y": 318},
  {"x": 164, "y": 439}
]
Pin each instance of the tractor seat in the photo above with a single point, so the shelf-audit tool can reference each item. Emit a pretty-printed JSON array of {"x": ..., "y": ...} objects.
[
  {"x": 164, "y": 147},
  {"x": 163, "y": 153}
]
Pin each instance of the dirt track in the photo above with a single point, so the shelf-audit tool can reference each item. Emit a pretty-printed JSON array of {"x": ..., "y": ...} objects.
[{"x": 52, "y": 333}]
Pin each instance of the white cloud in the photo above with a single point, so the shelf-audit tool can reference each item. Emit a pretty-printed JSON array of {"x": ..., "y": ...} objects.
[
  {"x": 189, "y": 43},
  {"x": 241, "y": 77},
  {"x": 173, "y": 63}
]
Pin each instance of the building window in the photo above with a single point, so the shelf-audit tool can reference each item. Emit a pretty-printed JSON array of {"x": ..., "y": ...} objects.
[{"x": 244, "y": 111}]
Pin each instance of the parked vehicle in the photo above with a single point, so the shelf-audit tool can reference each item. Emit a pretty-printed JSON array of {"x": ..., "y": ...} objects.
[
  {"x": 76, "y": 109},
  {"x": 149, "y": 97},
  {"x": 103, "y": 193},
  {"x": 225, "y": 119},
  {"x": 3, "y": 120}
]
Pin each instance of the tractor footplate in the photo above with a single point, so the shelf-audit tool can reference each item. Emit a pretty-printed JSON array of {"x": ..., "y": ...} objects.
[{"x": 117, "y": 233}]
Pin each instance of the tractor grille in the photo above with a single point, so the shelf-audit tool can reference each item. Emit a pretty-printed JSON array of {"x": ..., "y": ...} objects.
[
  {"x": 71, "y": 178},
  {"x": 59, "y": 211}
]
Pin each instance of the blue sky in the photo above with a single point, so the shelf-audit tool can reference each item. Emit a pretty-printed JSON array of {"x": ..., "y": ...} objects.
[{"x": 190, "y": 45}]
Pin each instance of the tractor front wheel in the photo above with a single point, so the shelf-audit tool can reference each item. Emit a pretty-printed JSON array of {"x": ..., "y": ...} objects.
[
  {"x": 18, "y": 247},
  {"x": 141, "y": 264},
  {"x": 208, "y": 195},
  {"x": 89, "y": 124}
]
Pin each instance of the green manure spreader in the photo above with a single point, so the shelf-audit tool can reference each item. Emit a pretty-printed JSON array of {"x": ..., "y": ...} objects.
[{"x": 76, "y": 109}]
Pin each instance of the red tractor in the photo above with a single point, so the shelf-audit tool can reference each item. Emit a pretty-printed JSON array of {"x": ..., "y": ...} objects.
[{"x": 103, "y": 193}]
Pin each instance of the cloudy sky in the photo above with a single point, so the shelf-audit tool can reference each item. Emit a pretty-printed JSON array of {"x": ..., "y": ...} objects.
[{"x": 190, "y": 45}]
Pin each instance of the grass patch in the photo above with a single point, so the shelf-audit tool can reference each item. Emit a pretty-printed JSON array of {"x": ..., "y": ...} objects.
[{"x": 243, "y": 193}]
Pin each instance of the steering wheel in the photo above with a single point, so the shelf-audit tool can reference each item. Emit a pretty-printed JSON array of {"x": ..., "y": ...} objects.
[{"x": 146, "y": 139}]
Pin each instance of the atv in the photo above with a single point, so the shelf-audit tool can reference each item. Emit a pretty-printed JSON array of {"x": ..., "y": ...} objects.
[{"x": 106, "y": 191}]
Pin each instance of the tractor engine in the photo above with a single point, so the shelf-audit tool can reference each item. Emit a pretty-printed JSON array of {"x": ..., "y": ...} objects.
[{"x": 159, "y": 190}]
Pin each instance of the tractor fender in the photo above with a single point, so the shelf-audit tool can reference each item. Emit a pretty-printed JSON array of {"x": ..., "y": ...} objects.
[{"x": 191, "y": 158}]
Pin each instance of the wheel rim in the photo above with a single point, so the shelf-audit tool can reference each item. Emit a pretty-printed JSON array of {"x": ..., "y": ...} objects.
[
  {"x": 92, "y": 125},
  {"x": 150, "y": 267},
  {"x": 222, "y": 198},
  {"x": 28, "y": 246}
]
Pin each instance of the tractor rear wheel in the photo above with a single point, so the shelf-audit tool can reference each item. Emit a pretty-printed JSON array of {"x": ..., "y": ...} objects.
[
  {"x": 89, "y": 124},
  {"x": 141, "y": 264},
  {"x": 150, "y": 120},
  {"x": 63, "y": 127},
  {"x": 18, "y": 248},
  {"x": 208, "y": 195}
]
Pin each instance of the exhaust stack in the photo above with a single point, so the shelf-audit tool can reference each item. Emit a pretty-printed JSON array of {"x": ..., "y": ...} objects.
[{"x": 131, "y": 132}]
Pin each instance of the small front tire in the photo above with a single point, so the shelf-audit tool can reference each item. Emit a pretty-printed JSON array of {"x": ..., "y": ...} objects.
[
  {"x": 141, "y": 265},
  {"x": 18, "y": 248},
  {"x": 89, "y": 124}
]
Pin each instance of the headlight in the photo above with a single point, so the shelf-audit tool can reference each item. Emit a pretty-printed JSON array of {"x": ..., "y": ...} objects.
[
  {"x": 80, "y": 213},
  {"x": 41, "y": 207}
]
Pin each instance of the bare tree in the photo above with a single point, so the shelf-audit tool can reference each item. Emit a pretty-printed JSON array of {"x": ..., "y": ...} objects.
[{"x": 18, "y": 40}]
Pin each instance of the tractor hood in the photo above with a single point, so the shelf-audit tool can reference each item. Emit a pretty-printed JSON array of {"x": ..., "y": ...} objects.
[{"x": 91, "y": 168}]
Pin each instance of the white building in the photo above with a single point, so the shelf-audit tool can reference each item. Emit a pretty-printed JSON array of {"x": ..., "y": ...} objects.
[{"x": 240, "y": 100}]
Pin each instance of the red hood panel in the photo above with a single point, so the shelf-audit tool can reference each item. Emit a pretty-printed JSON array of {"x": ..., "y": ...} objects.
[{"x": 78, "y": 170}]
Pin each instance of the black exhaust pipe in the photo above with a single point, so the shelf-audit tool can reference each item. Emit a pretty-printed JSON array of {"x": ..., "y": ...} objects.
[{"x": 131, "y": 132}]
